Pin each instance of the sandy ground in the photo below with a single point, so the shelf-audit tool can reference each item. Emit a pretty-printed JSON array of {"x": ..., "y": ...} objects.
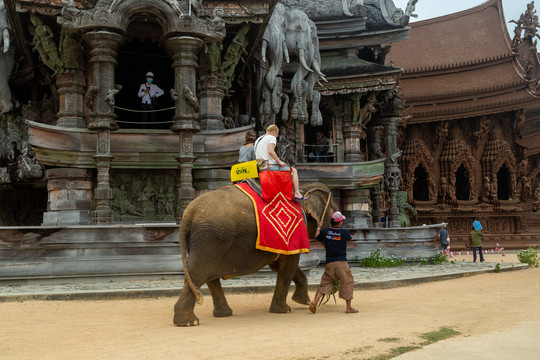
[{"x": 498, "y": 316}]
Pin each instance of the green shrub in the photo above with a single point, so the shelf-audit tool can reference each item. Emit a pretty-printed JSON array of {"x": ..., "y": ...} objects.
[
  {"x": 375, "y": 259},
  {"x": 529, "y": 256},
  {"x": 440, "y": 258}
]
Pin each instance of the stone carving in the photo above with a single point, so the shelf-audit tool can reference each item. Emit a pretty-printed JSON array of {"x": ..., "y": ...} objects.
[
  {"x": 191, "y": 98},
  {"x": 28, "y": 167},
  {"x": 527, "y": 23},
  {"x": 235, "y": 53},
  {"x": 483, "y": 128},
  {"x": 497, "y": 153},
  {"x": 7, "y": 61},
  {"x": 90, "y": 96},
  {"x": 110, "y": 96},
  {"x": 121, "y": 203},
  {"x": 45, "y": 46},
  {"x": 69, "y": 51},
  {"x": 217, "y": 21},
  {"x": 442, "y": 132},
  {"x": 290, "y": 32},
  {"x": 404, "y": 208},
  {"x": 213, "y": 53},
  {"x": 519, "y": 122},
  {"x": 174, "y": 94},
  {"x": 362, "y": 115}
]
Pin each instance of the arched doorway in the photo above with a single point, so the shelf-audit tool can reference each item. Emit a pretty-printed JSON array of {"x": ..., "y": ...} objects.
[
  {"x": 420, "y": 186},
  {"x": 463, "y": 185},
  {"x": 503, "y": 183},
  {"x": 141, "y": 53}
]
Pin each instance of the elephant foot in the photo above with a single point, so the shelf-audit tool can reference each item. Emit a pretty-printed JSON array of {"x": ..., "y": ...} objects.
[
  {"x": 301, "y": 298},
  {"x": 223, "y": 312},
  {"x": 186, "y": 321},
  {"x": 280, "y": 309}
]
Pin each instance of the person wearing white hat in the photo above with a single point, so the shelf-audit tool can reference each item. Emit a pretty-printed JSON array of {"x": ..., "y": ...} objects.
[
  {"x": 149, "y": 92},
  {"x": 335, "y": 240}
]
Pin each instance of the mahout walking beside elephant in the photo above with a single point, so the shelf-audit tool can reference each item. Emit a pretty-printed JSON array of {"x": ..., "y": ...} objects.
[{"x": 219, "y": 231}]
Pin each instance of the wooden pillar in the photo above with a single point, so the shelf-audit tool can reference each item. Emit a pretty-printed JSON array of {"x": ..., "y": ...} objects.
[
  {"x": 184, "y": 51},
  {"x": 103, "y": 46}
]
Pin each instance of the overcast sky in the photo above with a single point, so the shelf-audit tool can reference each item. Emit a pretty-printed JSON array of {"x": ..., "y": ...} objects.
[{"x": 427, "y": 9}]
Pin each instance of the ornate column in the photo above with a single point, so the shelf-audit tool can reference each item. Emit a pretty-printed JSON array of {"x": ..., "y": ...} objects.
[
  {"x": 352, "y": 134},
  {"x": 184, "y": 51},
  {"x": 71, "y": 90},
  {"x": 392, "y": 171},
  {"x": 374, "y": 153},
  {"x": 212, "y": 92},
  {"x": 103, "y": 46}
]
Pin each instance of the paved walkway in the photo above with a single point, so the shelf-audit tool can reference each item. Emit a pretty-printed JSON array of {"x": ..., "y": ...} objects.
[{"x": 264, "y": 281}]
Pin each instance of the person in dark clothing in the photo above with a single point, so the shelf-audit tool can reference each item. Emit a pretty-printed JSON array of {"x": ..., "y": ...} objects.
[{"x": 335, "y": 240}]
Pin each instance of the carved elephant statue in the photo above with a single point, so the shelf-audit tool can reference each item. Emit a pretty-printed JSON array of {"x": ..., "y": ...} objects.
[
  {"x": 219, "y": 232},
  {"x": 7, "y": 61},
  {"x": 291, "y": 32}
]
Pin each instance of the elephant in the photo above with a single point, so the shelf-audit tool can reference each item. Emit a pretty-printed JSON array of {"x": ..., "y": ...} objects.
[
  {"x": 290, "y": 32},
  {"x": 219, "y": 231},
  {"x": 7, "y": 61}
]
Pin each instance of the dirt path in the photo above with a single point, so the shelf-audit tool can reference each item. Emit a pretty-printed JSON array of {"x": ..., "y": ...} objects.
[{"x": 504, "y": 307}]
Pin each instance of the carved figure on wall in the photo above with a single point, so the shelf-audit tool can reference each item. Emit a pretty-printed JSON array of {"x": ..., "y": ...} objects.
[
  {"x": 519, "y": 122},
  {"x": 363, "y": 115},
  {"x": 69, "y": 51},
  {"x": 217, "y": 20},
  {"x": 44, "y": 44},
  {"x": 486, "y": 190},
  {"x": 169, "y": 201},
  {"x": 235, "y": 52},
  {"x": 161, "y": 199},
  {"x": 7, "y": 61},
  {"x": 28, "y": 166},
  {"x": 213, "y": 53},
  {"x": 404, "y": 209},
  {"x": 518, "y": 30},
  {"x": 191, "y": 98},
  {"x": 110, "y": 96},
  {"x": 537, "y": 198},
  {"x": 526, "y": 190},
  {"x": 483, "y": 128},
  {"x": 494, "y": 197},
  {"x": 122, "y": 204},
  {"x": 174, "y": 94},
  {"x": 442, "y": 132}
]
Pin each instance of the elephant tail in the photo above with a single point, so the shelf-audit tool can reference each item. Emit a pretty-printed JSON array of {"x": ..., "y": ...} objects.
[{"x": 185, "y": 225}]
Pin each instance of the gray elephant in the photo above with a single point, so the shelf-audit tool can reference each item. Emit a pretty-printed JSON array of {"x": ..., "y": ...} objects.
[
  {"x": 219, "y": 232},
  {"x": 290, "y": 32},
  {"x": 7, "y": 61}
]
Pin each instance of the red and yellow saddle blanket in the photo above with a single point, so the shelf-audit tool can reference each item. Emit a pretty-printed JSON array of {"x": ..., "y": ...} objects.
[{"x": 280, "y": 222}]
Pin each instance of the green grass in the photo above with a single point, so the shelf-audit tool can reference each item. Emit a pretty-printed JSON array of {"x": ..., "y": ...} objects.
[
  {"x": 389, "y": 339},
  {"x": 442, "y": 334}
]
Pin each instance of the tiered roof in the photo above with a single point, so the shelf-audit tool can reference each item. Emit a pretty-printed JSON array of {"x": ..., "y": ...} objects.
[{"x": 462, "y": 65}]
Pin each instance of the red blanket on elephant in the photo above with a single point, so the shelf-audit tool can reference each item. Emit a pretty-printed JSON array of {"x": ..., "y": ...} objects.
[{"x": 280, "y": 221}]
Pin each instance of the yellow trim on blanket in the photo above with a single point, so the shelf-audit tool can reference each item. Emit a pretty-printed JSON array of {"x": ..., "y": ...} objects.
[{"x": 264, "y": 248}]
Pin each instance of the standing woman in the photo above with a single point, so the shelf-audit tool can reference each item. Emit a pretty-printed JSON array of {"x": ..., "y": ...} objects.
[
  {"x": 476, "y": 243},
  {"x": 247, "y": 151}
]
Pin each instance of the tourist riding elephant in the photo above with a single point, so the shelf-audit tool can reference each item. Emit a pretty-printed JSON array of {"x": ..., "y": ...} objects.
[{"x": 219, "y": 232}]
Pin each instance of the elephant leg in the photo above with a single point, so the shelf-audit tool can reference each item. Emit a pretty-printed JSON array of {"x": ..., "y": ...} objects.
[
  {"x": 301, "y": 287},
  {"x": 221, "y": 307},
  {"x": 285, "y": 273},
  {"x": 183, "y": 309}
]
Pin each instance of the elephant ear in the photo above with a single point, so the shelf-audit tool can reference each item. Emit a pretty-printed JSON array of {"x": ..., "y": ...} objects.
[{"x": 318, "y": 194}]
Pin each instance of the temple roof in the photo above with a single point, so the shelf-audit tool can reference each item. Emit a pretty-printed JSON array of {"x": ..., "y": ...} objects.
[{"x": 462, "y": 65}]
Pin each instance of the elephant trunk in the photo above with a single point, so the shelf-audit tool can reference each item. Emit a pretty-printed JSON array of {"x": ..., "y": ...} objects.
[
  {"x": 184, "y": 230},
  {"x": 302, "y": 57}
]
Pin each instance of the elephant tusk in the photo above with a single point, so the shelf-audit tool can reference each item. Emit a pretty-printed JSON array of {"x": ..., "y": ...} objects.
[
  {"x": 317, "y": 68},
  {"x": 263, "y": 50},
  {"x": 285, "y": 51},
  {"x": 302, "y": 57}
]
